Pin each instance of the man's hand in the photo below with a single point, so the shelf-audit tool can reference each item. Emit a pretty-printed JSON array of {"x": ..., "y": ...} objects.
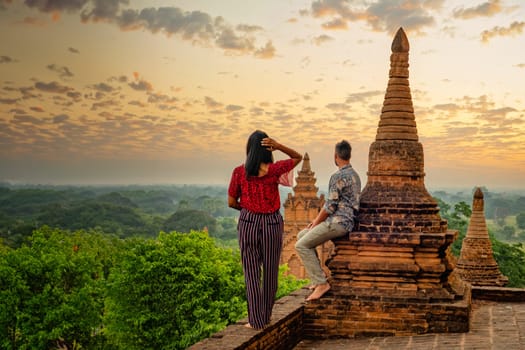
[
  {"x": 312, "y": 224},
  {"x": 320, "y": 218}
]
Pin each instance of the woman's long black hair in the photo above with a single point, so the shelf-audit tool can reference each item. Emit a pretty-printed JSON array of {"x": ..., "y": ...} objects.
[{"x": 256, "y": 153}]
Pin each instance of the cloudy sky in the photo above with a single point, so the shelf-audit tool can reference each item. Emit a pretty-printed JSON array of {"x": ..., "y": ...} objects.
[{"x": 121, "y": 92}]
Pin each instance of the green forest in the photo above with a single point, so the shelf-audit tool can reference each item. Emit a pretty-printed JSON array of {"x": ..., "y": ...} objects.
[{"x": 156, "y": 267}]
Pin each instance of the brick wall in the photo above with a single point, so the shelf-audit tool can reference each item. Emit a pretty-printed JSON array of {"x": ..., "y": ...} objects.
[{"x": 283, "y": 333}]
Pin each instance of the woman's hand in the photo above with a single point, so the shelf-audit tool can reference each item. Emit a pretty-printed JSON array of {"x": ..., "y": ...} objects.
[{"x": 270, "y": 144}]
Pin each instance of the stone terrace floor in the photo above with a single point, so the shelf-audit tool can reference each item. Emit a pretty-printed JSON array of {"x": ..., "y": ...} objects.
[{"x": 494, "y": 325}]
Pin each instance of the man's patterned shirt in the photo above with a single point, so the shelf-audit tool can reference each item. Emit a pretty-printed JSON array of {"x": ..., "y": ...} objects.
[{"x": 344, "y": 191}]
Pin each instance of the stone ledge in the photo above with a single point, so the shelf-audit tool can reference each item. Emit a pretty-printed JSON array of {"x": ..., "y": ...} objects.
[
  {"x": 500, "y": 294},
  {"x": 357, "y": 316},
  {"x": 283, "y": 333}
]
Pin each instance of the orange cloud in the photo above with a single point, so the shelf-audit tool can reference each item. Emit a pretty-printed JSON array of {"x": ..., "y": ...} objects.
[
  {"x": 266, "y": 52},
  {"x": 141, "y": 85},
  {"x": 55, "y": 16},
  {"x": 211, "y": 103},
  {"x": 322, "y": 39},
  {"x": 514, "y": 29},
  {"x": 484, "y": 10},
  {"x": 33, "y": 21},
  {"x": 196, "y": 26},
  {"x": 37, "y": 109},
  {"x": 335, "y": 24}
]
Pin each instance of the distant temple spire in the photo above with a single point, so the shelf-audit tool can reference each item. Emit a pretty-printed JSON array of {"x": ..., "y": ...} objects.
[
  {"x": 476, "y": 263},
  {"x": 306, "y": 163},
  {"x": 300, "y": 208},
  {"x": 305, "y": 180}
]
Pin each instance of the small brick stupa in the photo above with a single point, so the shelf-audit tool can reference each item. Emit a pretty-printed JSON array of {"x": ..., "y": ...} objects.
[
  {"x": 300, "y": 208},
  {"x": 476, "y": 263},
  {"x": 393, "y": 274}
]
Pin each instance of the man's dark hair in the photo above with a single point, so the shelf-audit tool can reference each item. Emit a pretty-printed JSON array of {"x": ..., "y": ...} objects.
[
  {"x": 256, "y": 153},
  {"x": 343, "y": 150}
]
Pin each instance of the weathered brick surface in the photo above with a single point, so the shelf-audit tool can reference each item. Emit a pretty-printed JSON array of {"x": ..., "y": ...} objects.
[
  {"x": 283, "y": 333},
  {"x": 397, "y": 262},
  {"x": 493, "y": 326},
  {"x": 365, "y": 313},
  {"x": 499, "y": 294}
]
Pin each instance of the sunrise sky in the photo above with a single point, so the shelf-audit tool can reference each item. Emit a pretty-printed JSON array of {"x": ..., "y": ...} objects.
[{"x": 148, "y": 92}]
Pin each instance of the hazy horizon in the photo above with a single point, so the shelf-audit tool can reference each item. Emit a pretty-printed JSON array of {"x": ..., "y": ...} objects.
[{"x": 322, "y": 188}]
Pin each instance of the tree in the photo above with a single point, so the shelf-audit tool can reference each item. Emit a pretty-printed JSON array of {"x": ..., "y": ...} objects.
[
  {"x": 191, "y": 219},
  {"x": 116, "y": 198},
  {"x": 93, "y": 214},
  {"x": 507, "y": 232},
  {"x": 172, "y": 292},
  {"x": 52, "y": 290},
  {"x": 520, "y": 204},
  {"x": 498, "y": 208},
  {"x": 511, "y": 261},
  {"x": 183, "y": 205},
  {"x": 520, "y": 220},
  {"x": 462, "y": 211},
  {"x": 226, "y": 228},
  {"x": 457, "y": 220}
]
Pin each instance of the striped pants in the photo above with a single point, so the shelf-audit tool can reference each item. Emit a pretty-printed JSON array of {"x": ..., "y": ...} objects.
[{"x": 260, "y": 242}]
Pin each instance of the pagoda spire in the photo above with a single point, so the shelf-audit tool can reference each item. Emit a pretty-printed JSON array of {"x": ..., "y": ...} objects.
[
  {"x": 305, "y": 180},
  {"x": 306, "y": 163},
  {"x": 396, "y": 161},
  {"x": 397, "y": 120},
  {"x": 476, "y": 263}
]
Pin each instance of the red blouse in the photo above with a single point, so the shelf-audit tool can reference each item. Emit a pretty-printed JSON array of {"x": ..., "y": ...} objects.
[{"x": 259, "y": 194}]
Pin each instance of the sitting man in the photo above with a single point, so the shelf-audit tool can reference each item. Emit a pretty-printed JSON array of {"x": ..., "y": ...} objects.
[{"x": 335, "y": 219}]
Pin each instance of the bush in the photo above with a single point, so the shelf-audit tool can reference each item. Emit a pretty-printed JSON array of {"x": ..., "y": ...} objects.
[
  {"x": 52, "y": 290},
  {"x": 288, "y": 283},
  {"x": 172, "y": 292},
  {"x": 90, "y": 290}
]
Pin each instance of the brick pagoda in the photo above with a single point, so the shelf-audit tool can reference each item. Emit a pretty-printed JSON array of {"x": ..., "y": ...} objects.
[
  {"x": 476, "y": 263},
  {"x": 393, "y": 274},
  {"x": 300, "y": 208}
]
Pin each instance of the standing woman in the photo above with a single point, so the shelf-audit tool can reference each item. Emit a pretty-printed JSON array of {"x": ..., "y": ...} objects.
[{"x": 254, "y": 191}]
